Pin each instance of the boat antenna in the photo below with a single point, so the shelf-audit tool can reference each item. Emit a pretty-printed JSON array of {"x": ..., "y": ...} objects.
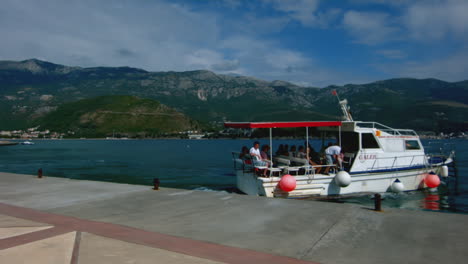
[{"x": 344, "y": 107}]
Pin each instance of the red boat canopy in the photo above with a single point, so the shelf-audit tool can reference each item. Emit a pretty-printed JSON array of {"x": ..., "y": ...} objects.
[{"x": 281, "y": 124}]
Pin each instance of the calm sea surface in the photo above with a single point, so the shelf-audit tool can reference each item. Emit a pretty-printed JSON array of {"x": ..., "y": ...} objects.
[{"x": 194, "y": 164}]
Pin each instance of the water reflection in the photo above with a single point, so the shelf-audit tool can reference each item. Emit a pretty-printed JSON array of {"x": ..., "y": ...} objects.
[
  {"x": 426, "y": 200},
  {"x": 431, "y": 202}
]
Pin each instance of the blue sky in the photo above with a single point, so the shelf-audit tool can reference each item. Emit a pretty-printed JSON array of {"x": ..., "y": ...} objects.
[{"x": 307, "y": 42}]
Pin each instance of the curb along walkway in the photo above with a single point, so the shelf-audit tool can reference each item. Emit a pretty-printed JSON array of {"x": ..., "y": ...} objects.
[{"x": 53, "y": 238}]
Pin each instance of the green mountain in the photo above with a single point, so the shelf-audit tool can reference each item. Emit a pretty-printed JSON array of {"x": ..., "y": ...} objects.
[
  {"x": 123, "y": 115},
  {"x": 30, "y": 89}
]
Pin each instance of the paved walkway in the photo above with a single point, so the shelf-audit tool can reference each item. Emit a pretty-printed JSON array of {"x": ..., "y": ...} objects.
[
  {"x": 122, "y": 223},
  {"x": 30, "y": 236}
]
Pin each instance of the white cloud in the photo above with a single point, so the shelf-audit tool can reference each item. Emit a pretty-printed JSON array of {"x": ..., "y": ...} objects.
[
  {"x": 253, "y": 25},
  {"x": 383, "y": 2},
  {"x": 302, "y": 10},
  {"x": 270, "y": 62},
  {"x": 233, "y": 4},
  {"x": 369, "y": 27},
  {"x": 451, "y": 68},
  {"x": 154, "y": 35},
  {"x": 283, "y": 59},
  {"x": 306, "y": 11},
  {"x": 211, "y": 60},
  {"x": 392, "y": 54},
  {"x": 157, "y": 37},
  {"x": 162, "y": 36},
  {"x": 433, "y": 20}
]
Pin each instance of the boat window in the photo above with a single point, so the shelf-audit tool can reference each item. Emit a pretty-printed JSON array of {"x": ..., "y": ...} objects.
[
  {"x": 412, "y": 144},
  {"x": 368, "y": 141},
  {"x": 350, "y": 141}
]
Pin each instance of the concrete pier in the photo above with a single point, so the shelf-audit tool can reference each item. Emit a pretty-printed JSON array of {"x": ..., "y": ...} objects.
[{"x": 203, "y": 227}]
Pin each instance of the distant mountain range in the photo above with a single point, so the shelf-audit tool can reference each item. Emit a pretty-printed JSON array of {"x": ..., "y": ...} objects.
[{"x": 31, "y": 89}]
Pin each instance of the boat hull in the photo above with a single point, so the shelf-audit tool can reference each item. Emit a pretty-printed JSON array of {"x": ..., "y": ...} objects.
[{"x": 325, "y": 185}]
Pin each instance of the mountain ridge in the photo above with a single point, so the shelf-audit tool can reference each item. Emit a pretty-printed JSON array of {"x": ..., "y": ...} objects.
[
  {"x": 211, "y": 97},
  {"x": 126, "y": 115}
]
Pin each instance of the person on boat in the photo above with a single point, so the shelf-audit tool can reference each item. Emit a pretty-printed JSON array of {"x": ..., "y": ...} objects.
[
  {"x": 257, "y": 157},
  {"x": 314, "y": 155},
  {"x": 332, "y": 153},
  {"x": 301, "y": 153},
  {"x": 244, "y": 152},
  {"x": 313, "y": 158},
  {"x": 280, "y": 150},
  {"x": 255, "y": 151},
  {"x": 339, "y": 160},
  {"x": 292, "y": 151},
  {"x": 285, "y": 150},
  {"x": 264, "y": 154}
]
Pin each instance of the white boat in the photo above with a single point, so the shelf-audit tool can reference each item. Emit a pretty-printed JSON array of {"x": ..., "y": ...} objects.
[
  {"x": 377, "y": 159},
  {"x": 27, "y": 142}
]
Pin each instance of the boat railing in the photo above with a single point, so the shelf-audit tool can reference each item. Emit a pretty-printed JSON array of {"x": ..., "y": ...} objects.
[
  {"x": 387, "y": 129},
  {"x": 310, "y": 169},
  {"x": 241, "y": 164},
  {"x": 246, "y": 165},
  {"x": 415, "y": 160},
  {"x": 438, "y": 151},
  {"x": 297, "y": 165}
]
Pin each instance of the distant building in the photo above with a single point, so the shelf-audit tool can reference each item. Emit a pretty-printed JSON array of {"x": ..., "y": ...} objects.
[
  {"x": 196, "y": 136},
  {"x": 5, "y": 133}
]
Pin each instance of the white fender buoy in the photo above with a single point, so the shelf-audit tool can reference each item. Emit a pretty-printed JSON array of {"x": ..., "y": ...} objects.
[
  {"x": 342, "y": 179},
  {"x": 444, "y": 172},
  {"x": 397, "y": 186}
]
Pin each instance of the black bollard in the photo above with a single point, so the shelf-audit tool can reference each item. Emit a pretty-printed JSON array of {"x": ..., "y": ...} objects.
[
  {"x": 39, "y": 173},
  {"x": 378, "y": 202},
  {"x": 156, "y": 184}
]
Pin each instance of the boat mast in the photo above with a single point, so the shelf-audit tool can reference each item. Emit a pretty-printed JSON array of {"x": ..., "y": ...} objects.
[{"x": 344, "y": 107}]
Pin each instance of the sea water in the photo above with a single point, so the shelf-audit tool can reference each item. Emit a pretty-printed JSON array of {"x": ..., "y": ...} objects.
[{"x": 196, "y": 164}]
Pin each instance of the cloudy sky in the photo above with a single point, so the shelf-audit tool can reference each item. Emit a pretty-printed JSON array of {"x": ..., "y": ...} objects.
[{"x": 308, "y": 42}]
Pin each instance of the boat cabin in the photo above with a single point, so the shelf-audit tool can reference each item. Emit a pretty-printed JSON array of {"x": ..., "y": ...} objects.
[
  {"x": 366, "y": 146},
  {"x": 370, "y": 146}
]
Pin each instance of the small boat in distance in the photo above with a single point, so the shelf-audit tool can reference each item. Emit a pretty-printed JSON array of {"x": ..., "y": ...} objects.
[
  {"x": 8, "y": 143},
  {"x": 375, "y": 159},
  {"x": 27, "y": 142}
]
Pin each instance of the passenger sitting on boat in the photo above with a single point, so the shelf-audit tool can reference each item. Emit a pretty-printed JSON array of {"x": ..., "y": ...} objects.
[
  {"x": 314, "y": 155},
  {"x": 332, "y": 153},
  {"x": 280, "y": 150},
  {"x": 285, "y": 150},
  {"x": 292, "y": 151},
  {"x": 301, "y": 153},
  {"x": 257, "y": 158},
  {"x": 264, "y": 154},
  {"x": 244, "y": 152},
  {"x": 313, "y": 158}
]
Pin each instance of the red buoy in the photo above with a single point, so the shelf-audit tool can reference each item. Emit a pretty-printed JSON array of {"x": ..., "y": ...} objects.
[
  {"x": 432, "y": 180},
  {"x": 287, "y": 183}
]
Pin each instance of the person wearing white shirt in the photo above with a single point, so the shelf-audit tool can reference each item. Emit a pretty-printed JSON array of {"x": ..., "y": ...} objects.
[
  {"x": 332, "y": 152},
  {"x": 255, "y": 151},
  {"x": 256, "y": 157}
]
